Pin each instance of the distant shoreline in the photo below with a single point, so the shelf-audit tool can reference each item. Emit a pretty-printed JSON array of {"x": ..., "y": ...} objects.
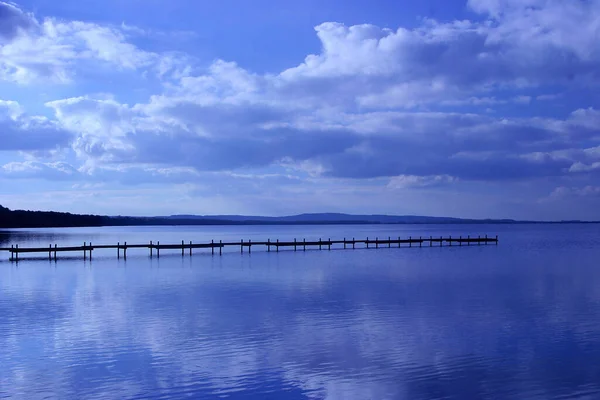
[{"x": 47, "y": 219}]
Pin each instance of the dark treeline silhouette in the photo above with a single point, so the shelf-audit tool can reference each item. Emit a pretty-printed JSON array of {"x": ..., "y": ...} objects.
[{"x": 47, "y": 219}]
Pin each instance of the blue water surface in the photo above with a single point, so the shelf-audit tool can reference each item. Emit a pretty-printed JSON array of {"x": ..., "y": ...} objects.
[{"x": 520, "y": 320}]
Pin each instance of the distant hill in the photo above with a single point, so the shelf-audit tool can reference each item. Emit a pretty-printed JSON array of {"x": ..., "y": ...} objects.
[
  {"x": 320, "y": 218},
  {"x": 47, "y": 219}
]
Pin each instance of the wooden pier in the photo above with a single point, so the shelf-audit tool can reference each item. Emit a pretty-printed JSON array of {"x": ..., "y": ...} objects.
[{"x": 155, "y": 248}]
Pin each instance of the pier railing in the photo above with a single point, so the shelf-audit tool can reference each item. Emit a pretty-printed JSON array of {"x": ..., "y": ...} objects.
[{"x": 155, "y": 248}]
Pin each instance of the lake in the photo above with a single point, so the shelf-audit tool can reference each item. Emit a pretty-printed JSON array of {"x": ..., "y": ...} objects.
[{"x": 520, "y": 320}]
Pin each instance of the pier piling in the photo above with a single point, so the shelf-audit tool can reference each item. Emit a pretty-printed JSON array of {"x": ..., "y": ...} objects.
[{"x": 16, "y": 251}]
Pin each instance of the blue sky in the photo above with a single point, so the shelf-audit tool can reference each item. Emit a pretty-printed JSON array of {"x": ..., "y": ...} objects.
[{"x": 479, "y": 108}]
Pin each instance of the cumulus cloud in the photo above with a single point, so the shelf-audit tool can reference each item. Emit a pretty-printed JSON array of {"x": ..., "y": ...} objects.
[
  {"x": 209, "y": 135},
  {"x": 189, "y": 134},
  {"x": 403, "y": 68},
  {"x": 53, "y": 50},
  {"x": 20, "y": 131}
]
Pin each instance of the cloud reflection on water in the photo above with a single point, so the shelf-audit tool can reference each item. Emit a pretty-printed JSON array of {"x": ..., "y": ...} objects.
[{"x": 495, "y": 322}]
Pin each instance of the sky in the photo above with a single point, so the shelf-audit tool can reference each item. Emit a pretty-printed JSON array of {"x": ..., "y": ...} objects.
[{"x": 476, "y": 109}]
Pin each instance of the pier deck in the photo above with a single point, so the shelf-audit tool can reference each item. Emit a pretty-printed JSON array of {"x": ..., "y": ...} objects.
[{"x": 52, "y": 251}]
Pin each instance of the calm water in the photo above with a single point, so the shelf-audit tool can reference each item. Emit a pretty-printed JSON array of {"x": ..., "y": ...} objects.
[{"x": 516, "y": 321}]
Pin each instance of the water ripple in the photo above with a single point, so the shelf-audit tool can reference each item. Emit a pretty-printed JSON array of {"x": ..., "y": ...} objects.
[{"x": 515, "y": 321}]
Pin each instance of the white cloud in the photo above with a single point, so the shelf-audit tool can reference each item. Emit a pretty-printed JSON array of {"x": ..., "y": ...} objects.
[
  {"x": 33, "y": 169},
  {"x": 411, "y": 181},
  {"x": 567, "y": 192},
  {"x": 11, "y": 109},
  {"x": 210, "y": 135},
  {"x": 99, "y": 43},
  {"x": 581, "y": 167},
  {"x": 20, "y": 131},
  {"x": 543, "y": 26},
  {"x": 438, "y": 62},
  {"x": 54, "y": 51},
  {"x": 360, "y": 64}
]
